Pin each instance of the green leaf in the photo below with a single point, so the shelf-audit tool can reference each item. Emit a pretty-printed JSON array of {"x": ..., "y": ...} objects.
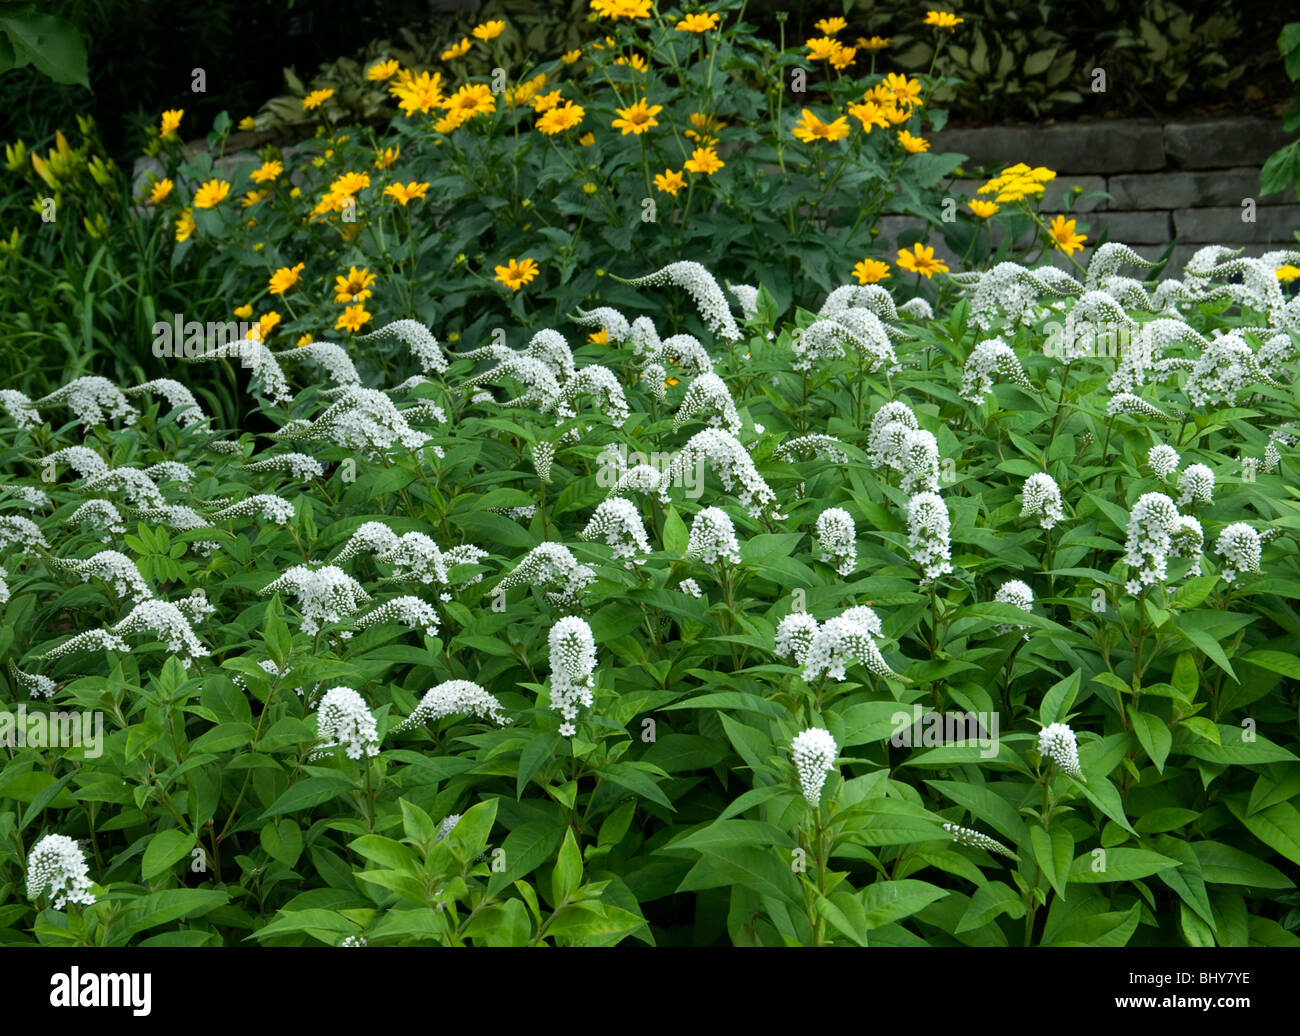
[
  {"x": 470, "y": 835},
  {"x": 1278, "y": 827},
  {"x": 567, "y": 875},
  {"x": 1057, "y": 701},
  {"x": 1153, "y": 734},
  {"x": 1054, "y": 852},
  {"x": 625, "y": 775},
  {"x": 1118, "y": 865},
  {"x": 282, "y": 840},
  {"x": 676, "y": 535},
  {"x": 164, "y": 850},
  {"x": 886, "y": 901},
  {"x": 313, "y": 791},
  {"x": 51, "y": 45}
]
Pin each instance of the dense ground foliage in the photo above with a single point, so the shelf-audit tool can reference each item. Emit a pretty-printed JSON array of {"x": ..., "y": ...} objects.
[{"x": 543, "y": 642}]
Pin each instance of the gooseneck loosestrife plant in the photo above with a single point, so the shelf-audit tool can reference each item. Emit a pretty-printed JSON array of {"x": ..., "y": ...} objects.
[{"x": 527, "y": 572}]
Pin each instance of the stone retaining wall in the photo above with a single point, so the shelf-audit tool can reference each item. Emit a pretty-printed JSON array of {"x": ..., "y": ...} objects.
[{"x": 1185, "y": 180}]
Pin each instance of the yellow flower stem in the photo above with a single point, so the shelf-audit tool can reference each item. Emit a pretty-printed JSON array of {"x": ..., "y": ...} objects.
[{"x": 1048, "y": 231}]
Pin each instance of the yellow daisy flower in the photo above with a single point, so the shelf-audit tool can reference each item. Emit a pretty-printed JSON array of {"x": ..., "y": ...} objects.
[
  {"x": 266, "y": 171},
  {"x": 942, "y": 20},
  {"x": 488, "y": 30},
  {"x": 921, "y": 260},
  {"x": 384, "y": 70},
  {"x": 810, "y": 128},
  {"x": 457, "y": 50},
  {"x": 703, "y": 160},
  {"x": 831, "y": 26},
  {"x": 912, "y": 145},
  {"x": 170, "y": 122},
  {"x": 869, "y": 271},
  {"x": 355, "y": 287},
  {"x": 697, "y": 22},
  {"x": 637, "y": 118},
  {"x": 1066, "y": 239},
  {"x": 160, "y": 191},
  {"x": 405, "y": 194},
  {"x": 984, "y": 209},
  {"x": 420, "y": 93},
  {"x": 316, "y": 98},
  {"x": 352, "y": 319},
  {"x": 557, "y": 120},
  {"x": 211, "y": 193},
  {"x": 514, "y": 275},
  {"x": 669, "y": 181},
  {"x": 285, "y": 278}
]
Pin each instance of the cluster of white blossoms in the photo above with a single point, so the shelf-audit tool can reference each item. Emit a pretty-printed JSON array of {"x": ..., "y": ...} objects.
[
  {"x": 298, "y": 465},
  {"x": 805, "y": 447},
  {"x": 344, "y": 719},
  {"x": 161, "y": 618},
  {"x": 1018, "y": 594},
  {"x": 1058, "y": 743},
  {"x": 618, "y": 522},
  {"x": 919, "y": 462},
  {"x": 543, "y": 458},
  {"x": 114, "y": 568},
  {"x": 709, "y": 397},
  {"x": 1197, "y": 484},
  {"x": 19, "y": 408},
  {"x": 323, "y": 595},
  {"x": 729, "y": 460},
  {"x": 94, "y": 400},
  {"x": 553, "y": 568},
  {"x": 419, "y": 341},
  {"x": 837, "y": 538},
  {"x": 1225, "y": 367},
  {"x": 987, "y": 358},
  {"x": 1163, "y": 460},
  {"x": 832, "y": 646},
  {"x": 1042, "y": 498},
  {"x": 927, "y": 535},
  {"x": 455, "y": 698},
  {"x": 690, "y": 588},
  {"x": 813, "y": 752},
  {"x": 267, "y": 506},
  {"x": 1133, "y": 406},
  {"x": 704, "y": 292},
  {"x": 1187, "y": 540},
  {"x": 890, "y": 426},
  {"x": 36, "y": 684},
  {"x": 573, "y": 663},
  {"x": 1240, "y": 547},
  {"x": 139, "y": 489},
  {"x": 15, "y": 530},
  {"x": 329, "y": 357},
  {"x": 977, "y": 840},
  {"x": 57, "y": 865},
  {"x": 1150, "y": 526},
  {"x": 179, "y": 398},
  {"x": 713, "y": 537},
  {"x": 410, "y": 611}
]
